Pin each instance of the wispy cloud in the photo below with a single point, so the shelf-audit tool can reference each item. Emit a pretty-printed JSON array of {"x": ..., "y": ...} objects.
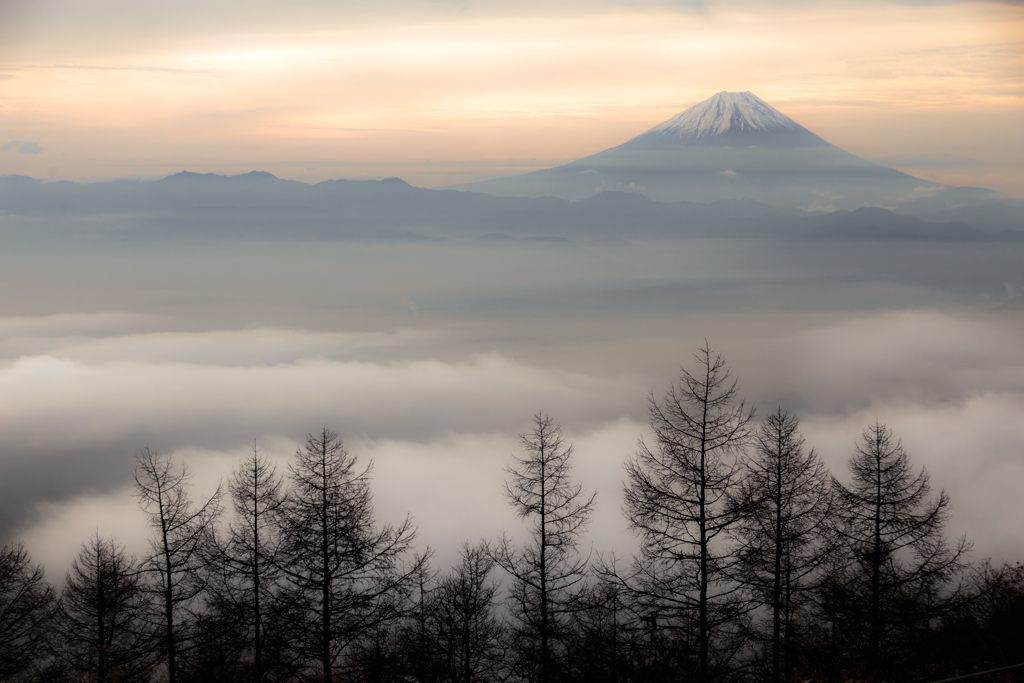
[
  {"x": 925, "y": 160},
  {"x": 134, "y": 67},
  {"x": 22, "y": 147},
  {"x": 429, "y": 163}
]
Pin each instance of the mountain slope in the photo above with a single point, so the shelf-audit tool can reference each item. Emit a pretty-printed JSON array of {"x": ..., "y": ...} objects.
[
  {"x": 731, "y": 146},
  {"x": 729, "y": 119}
]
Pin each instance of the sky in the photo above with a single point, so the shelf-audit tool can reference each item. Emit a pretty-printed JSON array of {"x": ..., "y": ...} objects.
[{"x": 441, "y": 92}]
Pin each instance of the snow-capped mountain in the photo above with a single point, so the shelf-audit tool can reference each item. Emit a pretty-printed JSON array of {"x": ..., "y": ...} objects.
[
  {"x": 730, "y": 146},
  {"x": 730, "y": 119}
]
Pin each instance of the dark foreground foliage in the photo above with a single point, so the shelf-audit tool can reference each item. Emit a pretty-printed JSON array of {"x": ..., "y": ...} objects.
[{"x": 755, "y": 564}]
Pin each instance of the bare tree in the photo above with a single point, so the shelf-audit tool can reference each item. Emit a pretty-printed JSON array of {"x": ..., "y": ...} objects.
[
  {"x": 247, "y": 576},
  {"x": 344, "y": 573},
  {"x": 178, "y": 552},
  {"x": 893, "y": 529},
  {"x": 101, "y": 627},
  {"x": 787, "y": 498},
  {"x": 468, "y": 635},
  {"x": 677, "y": 501},
  {"x": 547, "y": 573},
  {"x": 601, "y": 633},
  {"x": 26, "y": 606},
  {"x": 417, "y": 635}
]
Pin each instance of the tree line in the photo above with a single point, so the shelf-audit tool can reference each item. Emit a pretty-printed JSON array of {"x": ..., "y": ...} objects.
[{"x": 755, "y": 564}]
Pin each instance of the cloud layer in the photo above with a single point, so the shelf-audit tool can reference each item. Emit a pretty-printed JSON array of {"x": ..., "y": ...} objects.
[{"x": 440, "y": 431}]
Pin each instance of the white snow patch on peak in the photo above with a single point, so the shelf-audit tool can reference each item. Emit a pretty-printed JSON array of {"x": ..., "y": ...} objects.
[{"x": 736, "y": 111}]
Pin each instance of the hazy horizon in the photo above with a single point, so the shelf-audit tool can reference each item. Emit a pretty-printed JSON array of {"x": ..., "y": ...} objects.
[{"x": 440, "y": 93}]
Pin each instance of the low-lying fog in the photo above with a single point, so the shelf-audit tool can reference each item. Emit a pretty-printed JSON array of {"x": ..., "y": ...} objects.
[{"x": 429, "y": 358}]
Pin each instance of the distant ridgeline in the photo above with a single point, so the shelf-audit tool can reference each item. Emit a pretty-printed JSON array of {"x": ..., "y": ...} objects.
[{"x": 731, "y": 166}]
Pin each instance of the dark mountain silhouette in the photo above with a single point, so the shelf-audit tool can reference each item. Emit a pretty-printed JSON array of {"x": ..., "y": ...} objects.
[{"x": 259, "y": 206}]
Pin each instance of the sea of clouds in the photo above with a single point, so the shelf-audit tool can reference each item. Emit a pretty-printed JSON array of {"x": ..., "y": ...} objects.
[{"x": 435, "y": 396}]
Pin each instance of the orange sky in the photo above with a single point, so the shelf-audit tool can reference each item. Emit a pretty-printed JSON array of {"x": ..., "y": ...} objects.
[{"x": 444, "y": 92}]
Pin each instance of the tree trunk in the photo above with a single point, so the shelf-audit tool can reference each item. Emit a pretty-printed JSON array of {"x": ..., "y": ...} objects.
[
  {"x": 777, "y": 585},
  {"x": 544, "y": 656},
  {"x": 325, "y": 589}
]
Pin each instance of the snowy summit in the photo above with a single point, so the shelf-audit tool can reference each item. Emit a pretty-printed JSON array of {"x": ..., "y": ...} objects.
[{"x": 729, "y": 119}]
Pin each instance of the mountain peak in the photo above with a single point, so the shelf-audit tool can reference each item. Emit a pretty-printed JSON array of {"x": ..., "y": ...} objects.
[
  {"x": 731, "y": 146},
  {"x": 241, "y": 177},
  {"x": 729, "y": 119}
]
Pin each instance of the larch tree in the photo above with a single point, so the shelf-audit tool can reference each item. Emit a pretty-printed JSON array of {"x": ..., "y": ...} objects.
[
  {"x": 344, "y": 574},
  {"x": 677, "y": 500},
  {"x": 26, "y": 606},
  {"x": 602, "y": 631},
  {"x": 784, "y": 534},
  {"x": 416, "y": 635},
  {"x": 904, "y": 571},
  {"x": 468, "y": 635},
  {"x": 179, "y": 550},
  {"x": 548, "y": 571},
  {"x": 101, "y": 626},
  {"x": 246, "y": 575}
]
